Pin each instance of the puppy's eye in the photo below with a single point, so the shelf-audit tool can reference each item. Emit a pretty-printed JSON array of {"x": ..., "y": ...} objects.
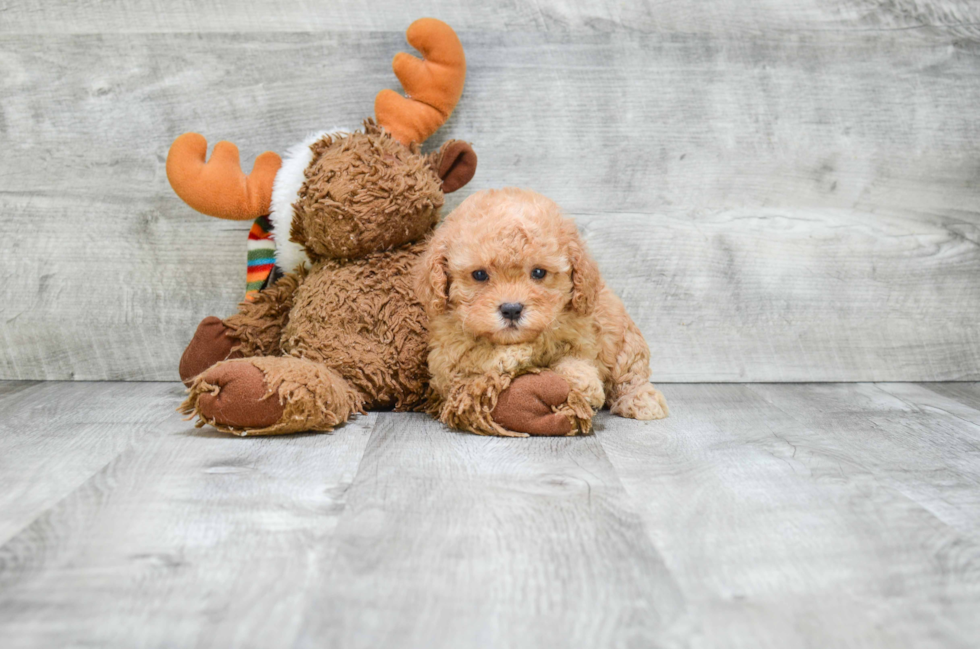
[
  {"x": 480, "y": 275},
  {"x": 538, "y": 273}
]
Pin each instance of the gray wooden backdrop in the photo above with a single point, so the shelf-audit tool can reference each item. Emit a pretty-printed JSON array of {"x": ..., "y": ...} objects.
[{"x": 781, "y": 190}]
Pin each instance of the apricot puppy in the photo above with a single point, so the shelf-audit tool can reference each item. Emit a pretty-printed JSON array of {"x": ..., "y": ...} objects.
[{"x": 524, "y": 336}]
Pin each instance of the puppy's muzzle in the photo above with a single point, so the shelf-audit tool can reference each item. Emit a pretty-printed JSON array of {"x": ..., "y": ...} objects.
[{"x": 512, "y": 311}]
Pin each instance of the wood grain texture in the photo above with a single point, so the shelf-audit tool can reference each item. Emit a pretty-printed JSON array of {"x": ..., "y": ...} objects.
[
  {"x": 794, "y": 202},
  {"x": 784, "y": 516},
  {"x": 966, "y": 393},
  {"x": 55, "y": 436},
  {"x": 802, "y": 295},
  {"x": 186, "y": 538},
  {"x": 805, "y": 515},
  {"x": 452, "y": 540},
  {"x": 954, "y": 17}
]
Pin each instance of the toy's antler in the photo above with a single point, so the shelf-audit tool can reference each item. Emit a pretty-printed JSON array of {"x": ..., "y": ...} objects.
[
  {"x": 433, "y": 84},
  {"x": 219, "y": 187}
]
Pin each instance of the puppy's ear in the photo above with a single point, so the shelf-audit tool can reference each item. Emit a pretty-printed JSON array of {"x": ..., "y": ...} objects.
[
  {"x": 455, "y": 164},
  {"x": 432, "y": 277},
  {"x": 586, "y": 281}
]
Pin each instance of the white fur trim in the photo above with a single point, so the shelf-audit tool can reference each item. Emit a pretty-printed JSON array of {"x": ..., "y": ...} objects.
[{"x": 285, "y": 191}]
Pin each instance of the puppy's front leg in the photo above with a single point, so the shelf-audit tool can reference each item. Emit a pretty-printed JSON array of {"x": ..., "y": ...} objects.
[
  {"x": 470, "y": 401},
  {"x": 585, "y": 391},
  {"x": 470, "y": 382}
]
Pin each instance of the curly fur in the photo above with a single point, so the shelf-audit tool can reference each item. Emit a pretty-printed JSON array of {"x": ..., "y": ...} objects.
[
  {"x": 572, "y": 323},
  {"x": 361, "y": 319}
]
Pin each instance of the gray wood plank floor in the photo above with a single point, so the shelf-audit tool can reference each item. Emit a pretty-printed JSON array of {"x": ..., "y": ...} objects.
[{"x": 844, "y": 515}]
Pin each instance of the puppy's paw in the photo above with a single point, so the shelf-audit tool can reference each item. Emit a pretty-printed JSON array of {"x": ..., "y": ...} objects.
[
  {"x": 527, "y": 405},
  {"x": 578, "y": 409},
  {"x": 646, "y": 402},
  {"x": 233, "y": 396}
]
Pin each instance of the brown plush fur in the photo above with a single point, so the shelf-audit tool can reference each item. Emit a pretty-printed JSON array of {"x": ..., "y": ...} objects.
[
  {"x": 258, "y": 324},
  {"x": 572, "y": 324},
  {"x": 211, "y": 344},
  {"x": 349, "y": 334},
  {"x": 361, "y": 319},
  {"x": 529, "y": 403},
  {"x": 364, "y": 192}
]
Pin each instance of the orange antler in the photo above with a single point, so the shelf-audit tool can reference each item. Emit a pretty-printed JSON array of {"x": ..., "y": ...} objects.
[
  {"x": 219, "y": 187},
  {"x": 433, "y": 84}
]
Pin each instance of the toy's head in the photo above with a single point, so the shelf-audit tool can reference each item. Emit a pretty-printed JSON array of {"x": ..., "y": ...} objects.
[
  {"x": 339, "y": 194},
  {"x": 366, "y": 191}
]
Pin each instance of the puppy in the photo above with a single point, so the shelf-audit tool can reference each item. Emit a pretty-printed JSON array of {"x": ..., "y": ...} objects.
[{"x": 524, "y": 336}]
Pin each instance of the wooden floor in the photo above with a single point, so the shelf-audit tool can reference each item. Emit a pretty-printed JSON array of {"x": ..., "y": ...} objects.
[{"x": 824, "y": 515}]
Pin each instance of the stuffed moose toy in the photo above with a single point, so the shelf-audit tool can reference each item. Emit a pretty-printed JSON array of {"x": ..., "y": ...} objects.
[{"x": 341, "y": 331}]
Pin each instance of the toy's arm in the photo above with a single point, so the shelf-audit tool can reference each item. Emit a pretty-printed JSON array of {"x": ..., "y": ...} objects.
[
  {"x": 254, "y": 331},
  {"x": 258, "y": 324}
]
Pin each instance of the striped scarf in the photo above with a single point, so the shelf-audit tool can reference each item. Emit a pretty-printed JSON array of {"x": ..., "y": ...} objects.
[{"x": 261, "y": 257}]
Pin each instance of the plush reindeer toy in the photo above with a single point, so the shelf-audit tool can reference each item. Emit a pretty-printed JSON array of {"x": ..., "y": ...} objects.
[{"x": 341, "y": 331}]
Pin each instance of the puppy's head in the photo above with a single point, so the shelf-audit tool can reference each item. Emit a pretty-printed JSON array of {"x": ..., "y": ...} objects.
[{"x": 507, "y": 265}]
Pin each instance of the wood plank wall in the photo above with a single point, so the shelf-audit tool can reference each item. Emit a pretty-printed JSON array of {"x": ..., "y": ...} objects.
[{"x": 780, "y": 190}]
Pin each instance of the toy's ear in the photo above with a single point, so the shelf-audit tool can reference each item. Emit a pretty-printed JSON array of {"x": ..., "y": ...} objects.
[
  {"x": 455, "y": 164},
  {"x": 432, "y": 277}
]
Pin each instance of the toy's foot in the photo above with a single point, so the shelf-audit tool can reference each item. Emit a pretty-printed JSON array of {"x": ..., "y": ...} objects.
[
  {"x": 210, "y": 345},
  {"x": 527, "y": 405},
  {"x": 646, "y": 402},
  {"x": 271, "y": 395},
  {"x": 234, "y": 395}
]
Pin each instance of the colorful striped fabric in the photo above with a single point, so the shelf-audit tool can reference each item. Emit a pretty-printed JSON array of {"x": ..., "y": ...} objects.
[{"x": 261, "y": 256}]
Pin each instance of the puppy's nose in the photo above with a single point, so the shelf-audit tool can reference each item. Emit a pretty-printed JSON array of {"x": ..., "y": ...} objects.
[{"x": 511, "y": 310}]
